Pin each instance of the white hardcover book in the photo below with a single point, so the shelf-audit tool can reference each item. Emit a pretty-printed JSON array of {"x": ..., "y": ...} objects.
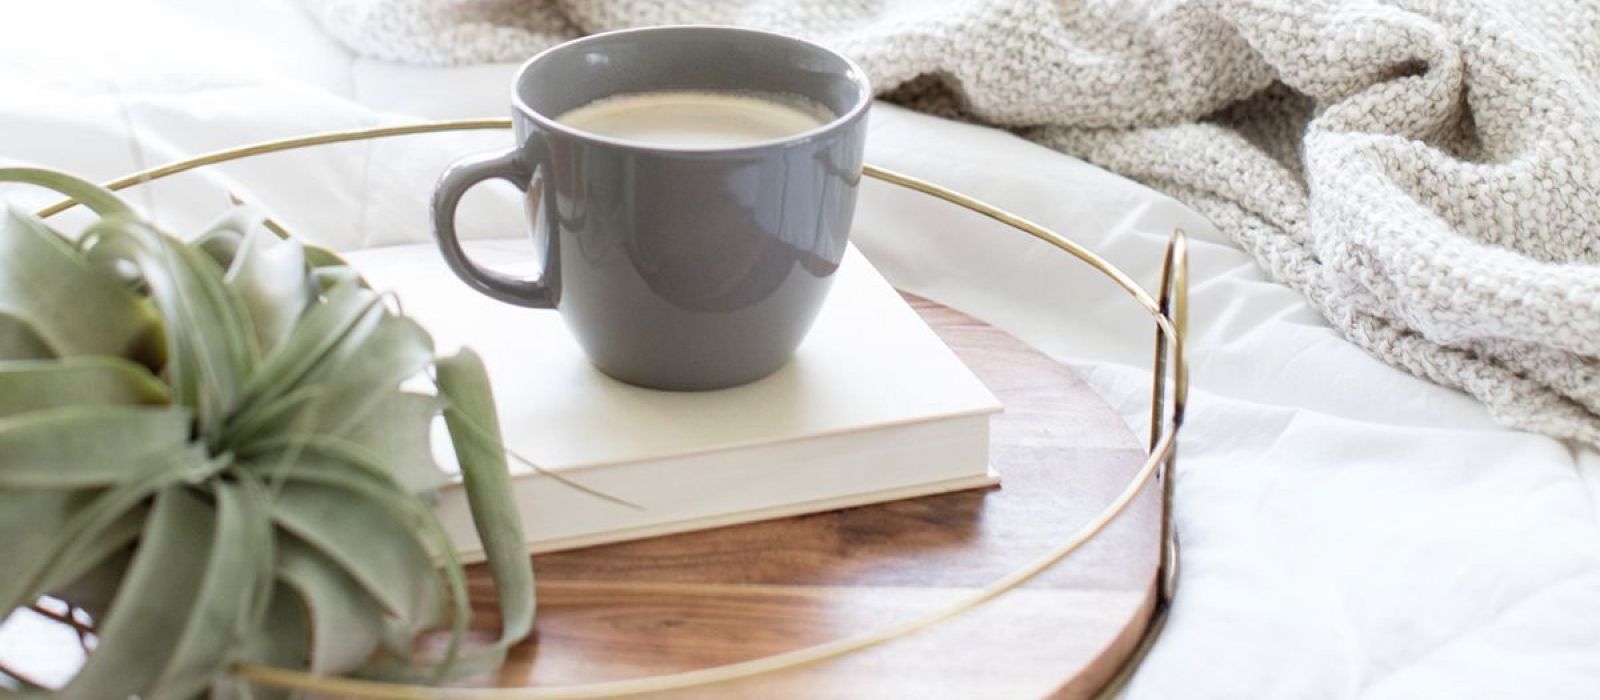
[{"x": 873, "y": 407}]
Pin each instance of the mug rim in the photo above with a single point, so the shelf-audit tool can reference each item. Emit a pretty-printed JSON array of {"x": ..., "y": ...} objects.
[{"x": 854, "y": 74}]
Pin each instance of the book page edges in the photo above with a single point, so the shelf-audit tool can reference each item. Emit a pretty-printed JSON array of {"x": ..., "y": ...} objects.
[
  {"x": 522, "y": 471},
  {"x": 679, "y": 494},
  {"x": 986, "y": 480}
]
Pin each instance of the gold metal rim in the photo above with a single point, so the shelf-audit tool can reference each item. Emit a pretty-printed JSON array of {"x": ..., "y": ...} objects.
[{"x": 1168, "y": 308}]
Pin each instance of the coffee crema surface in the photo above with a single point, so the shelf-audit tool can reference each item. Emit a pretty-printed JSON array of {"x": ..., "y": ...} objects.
[{"x": 698, "y": 120}]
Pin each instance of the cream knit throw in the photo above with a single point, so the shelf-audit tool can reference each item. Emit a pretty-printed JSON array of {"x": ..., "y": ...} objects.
[{"x": 1426, "y": 173}]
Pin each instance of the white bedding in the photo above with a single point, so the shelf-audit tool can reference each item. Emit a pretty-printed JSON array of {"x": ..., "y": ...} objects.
[{"x": 1348, "y": 530}]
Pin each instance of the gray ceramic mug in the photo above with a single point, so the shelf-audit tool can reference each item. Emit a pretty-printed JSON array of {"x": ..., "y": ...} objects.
[{"x": 682, "y": 269}]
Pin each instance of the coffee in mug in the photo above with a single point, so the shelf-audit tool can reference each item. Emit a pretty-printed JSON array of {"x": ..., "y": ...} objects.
[
  {"x": 691, "y": 119},
  {"x": 691, "y": 188}
]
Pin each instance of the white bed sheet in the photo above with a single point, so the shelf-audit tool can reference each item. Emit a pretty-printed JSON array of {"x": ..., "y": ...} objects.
[{"x": 1348, "y": 530}]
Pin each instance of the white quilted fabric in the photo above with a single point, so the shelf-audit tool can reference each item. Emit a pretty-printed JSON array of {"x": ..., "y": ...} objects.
[{"x": 1426, "y": 173}]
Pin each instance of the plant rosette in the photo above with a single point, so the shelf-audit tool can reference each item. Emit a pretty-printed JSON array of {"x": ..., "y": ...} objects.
[{"x": 209, "y": 447}]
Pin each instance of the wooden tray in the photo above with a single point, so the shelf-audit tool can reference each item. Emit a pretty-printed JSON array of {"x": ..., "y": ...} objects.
[
  {"x": 676, "y": 604},
  {"x": 719, "y": 596}
]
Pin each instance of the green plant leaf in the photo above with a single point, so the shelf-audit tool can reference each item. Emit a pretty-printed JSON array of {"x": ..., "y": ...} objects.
[
  {"x": 90, "y": 578},
  {"x": 319, "y": 331},
  {"x": 70, "y": 306},
  {"x": 357, "y": 373},
  {"x": 31, "y": 520},
  {"x": 96, "y": 530},
  {"x": 283, "y": 640},
  {"x": 84, "y": 446},
  {"x": 397, "y": 432},
  {"x": 220, "y": 244},
  {"x": 486, "y": 478},
  {"x": 272, "y": 278},
  {"x": 330, "y": 461},
  {"x": 98, "y": 199},
  {"x": 210, "y": 634},
  {"x": 210, "y": 345},
  {"x": 154, "y": 603},
  {"x": 346, "y": 623},
  {"x": 330, "y": 270},
  {"x": 366, "y": 540},
  {"x": 357, "y": 378},
  {"x": 19, "y": 341},
  {"x": 375, "y": 355},
  {"x": 280, "y": 453},
  {"x": 98, "y": 525},
  {"x": 36, "y": 385},
  {"x": 320, "y": 257},
  {"x": 263, "y": 547}
]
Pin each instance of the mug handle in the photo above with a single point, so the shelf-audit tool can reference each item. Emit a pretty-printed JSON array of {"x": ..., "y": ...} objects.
[{"x": 507, "y": 165}]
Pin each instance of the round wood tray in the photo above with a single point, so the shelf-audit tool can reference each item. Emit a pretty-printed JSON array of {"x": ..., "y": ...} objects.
[
  {"x": 958, "y": 595},
  {"x": 714, "y": 597}
]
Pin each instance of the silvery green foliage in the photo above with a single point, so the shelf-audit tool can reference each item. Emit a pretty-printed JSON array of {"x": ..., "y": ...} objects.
[{"x": 208, "y": 448}]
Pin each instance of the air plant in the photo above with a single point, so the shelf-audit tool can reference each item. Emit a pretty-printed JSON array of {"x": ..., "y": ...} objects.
[{"x": 211, "y": 448}]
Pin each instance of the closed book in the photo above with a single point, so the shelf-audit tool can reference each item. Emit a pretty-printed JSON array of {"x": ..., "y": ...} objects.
[{"x": 873, "y": 407}]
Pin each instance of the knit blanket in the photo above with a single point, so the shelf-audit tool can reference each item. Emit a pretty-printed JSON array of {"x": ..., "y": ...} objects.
[{"x": 1426, "y": 173}]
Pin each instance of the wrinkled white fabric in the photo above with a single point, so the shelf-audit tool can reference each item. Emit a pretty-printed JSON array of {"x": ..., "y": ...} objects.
[
  {"x": 1349, "y": 530},
  {"x": 1426, "y": 172}
]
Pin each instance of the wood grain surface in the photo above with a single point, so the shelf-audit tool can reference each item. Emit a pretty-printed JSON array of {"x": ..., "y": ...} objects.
[
  {"x": 689, "y": 601},
  {"x": 694, "y": 600}
]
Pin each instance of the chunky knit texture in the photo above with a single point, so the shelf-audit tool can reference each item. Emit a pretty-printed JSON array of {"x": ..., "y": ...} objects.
[{"x": 1427, "y": 174}]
